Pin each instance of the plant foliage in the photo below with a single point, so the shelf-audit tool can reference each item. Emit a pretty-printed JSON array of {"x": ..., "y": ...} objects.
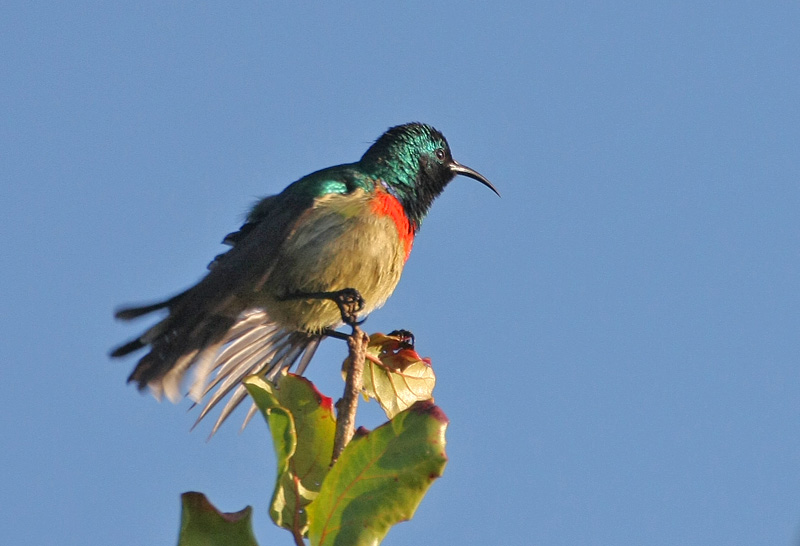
[{"x": 380, "y": 477}]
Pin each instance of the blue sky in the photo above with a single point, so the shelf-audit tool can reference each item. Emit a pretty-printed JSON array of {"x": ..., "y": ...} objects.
[{"x": 616, "y": 339}]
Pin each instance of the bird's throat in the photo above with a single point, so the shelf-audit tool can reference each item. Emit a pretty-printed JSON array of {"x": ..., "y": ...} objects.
[{"x": 386, "y": 205}]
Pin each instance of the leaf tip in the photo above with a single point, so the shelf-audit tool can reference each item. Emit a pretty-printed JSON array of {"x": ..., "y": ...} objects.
[
  {"x": 360, "y": 432},
  {"x": 429, "y": 408},
  {"x": 325, "y": 401},
  {"x": 199, "y": 503}
]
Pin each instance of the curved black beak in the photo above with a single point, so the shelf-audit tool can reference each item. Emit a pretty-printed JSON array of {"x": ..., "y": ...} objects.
[{"x": 458, "y": 168}]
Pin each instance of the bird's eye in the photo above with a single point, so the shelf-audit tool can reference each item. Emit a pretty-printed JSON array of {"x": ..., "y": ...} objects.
[{"x": 439, "y": 153}]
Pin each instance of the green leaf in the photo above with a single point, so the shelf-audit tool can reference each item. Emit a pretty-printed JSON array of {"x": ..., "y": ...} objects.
[
  {"x": 303, "y": 427},
  {"x": 380, "y": 478},
  {"x": 395, "y": 375},
  {"x": 203, "y": 525}
]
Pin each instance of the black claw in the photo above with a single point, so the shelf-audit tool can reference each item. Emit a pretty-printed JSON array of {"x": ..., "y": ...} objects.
[
  {"x": 348, "y": 300},
  {"x": 406, "y": 338}
]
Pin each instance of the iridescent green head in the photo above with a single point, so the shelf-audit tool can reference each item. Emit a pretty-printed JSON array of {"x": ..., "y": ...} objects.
[{"x": 415, "y": 162}]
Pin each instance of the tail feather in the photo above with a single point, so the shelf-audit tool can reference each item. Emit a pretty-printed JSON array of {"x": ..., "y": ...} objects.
[
  {"x": 174, "y": 346},
  {"x": 220, "y": 351},
  {"x": 129, "y": 313},
  {"x": 291, "y": 352},
  {"x": 260, "y": 341},
  {"x": 230, "y": 375},
  {"x": 284, "y": 350},
  {"x": 169, "y": 384},
  {"x": 130, "y": 347},
  {"x": 252, "y": 411},
  {"x": 226, "y": 383},
  {"x": 259, "y": 350},
  {"x": 238, "y": 396},
  {"x": 307, "y": 356}
]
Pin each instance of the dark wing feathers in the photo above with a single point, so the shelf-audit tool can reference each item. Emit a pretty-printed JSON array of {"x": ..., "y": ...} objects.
[
  {"x": 206, "y": 324},
  {"x": 201, "y": 316}
]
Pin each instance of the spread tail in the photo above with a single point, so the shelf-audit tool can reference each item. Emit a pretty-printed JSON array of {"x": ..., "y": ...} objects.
[{"x": 229, "y": 348}]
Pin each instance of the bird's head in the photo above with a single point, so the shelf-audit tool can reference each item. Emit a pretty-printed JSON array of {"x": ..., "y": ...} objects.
[{"x": 415, "y": 162}]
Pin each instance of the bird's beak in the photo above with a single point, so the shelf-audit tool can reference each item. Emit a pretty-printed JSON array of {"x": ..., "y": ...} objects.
[{"x": 458, "y": 168}]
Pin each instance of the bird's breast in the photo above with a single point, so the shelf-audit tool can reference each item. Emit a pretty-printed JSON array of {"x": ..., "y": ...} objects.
[
  {"x": 358, "y": 240},
  {"x": 385, "y": 205}
]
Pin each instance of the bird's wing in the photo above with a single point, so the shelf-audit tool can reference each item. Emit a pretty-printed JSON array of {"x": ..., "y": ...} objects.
[{"x": 211, "y": 327}]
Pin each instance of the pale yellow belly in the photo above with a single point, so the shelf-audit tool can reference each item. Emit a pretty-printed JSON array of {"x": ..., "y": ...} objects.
[{"x": 340, "y": 246}]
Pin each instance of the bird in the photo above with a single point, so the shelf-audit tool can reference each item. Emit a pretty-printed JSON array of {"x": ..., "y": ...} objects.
[{"x": 325, "y": 252}]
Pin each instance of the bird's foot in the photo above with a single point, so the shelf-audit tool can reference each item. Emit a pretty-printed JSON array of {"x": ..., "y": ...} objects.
[
  {"x": 406, "y": 338},
  {"x": 348, "y": 300}
]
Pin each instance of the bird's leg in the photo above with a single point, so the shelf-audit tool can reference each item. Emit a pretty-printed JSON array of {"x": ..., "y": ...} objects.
[
  {"x": 330, "y": 332},
  {"x": 348, "y": 300}
]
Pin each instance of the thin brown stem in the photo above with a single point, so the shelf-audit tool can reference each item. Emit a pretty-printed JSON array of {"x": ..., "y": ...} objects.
[{"x": 346, "y": 415}]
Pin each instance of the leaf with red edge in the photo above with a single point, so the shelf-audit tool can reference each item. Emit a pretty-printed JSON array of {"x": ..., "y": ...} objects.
[
  {"x": 395, "y": 374},
  {"x": 203, "y": 525},
  {"x": 380, "y": 478},
  {"x": 303, "y": 427}
]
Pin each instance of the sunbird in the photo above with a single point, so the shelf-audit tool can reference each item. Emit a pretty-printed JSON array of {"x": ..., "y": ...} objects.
[{"x": 325, "y": 252}]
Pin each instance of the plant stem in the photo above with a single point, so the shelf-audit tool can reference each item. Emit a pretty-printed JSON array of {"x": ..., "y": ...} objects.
[{"x": 346, "y": 415}]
